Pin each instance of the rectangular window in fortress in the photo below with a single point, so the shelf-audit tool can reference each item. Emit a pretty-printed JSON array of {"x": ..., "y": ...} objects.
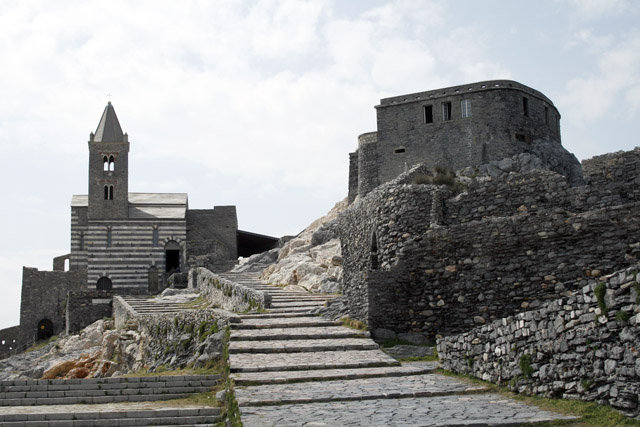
[
  {"x": 465, "y": 106},
  {"x": 428, "y": 113},
  {"x": 446, "y": 111},
  {"x": 525, "y": 106}
]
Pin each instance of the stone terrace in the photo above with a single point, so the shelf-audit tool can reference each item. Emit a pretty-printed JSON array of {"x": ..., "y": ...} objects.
[{"x": 291, "y": 368}]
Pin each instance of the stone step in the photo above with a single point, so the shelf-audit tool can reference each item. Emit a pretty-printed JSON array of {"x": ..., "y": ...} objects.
[
  {"x": 120, "y": 417},
  {"x": 354, "y": 389},
  {"x": 281, "y": 377},
  {"x": 301, "y": 346},
  {"x": 298, "y": 304},
  {"x": 469, "y": 410},
  {"x": 283, "y": 315},
  {"x": 297, "y": 333},
  {"x": 291, "y": 310},
  {"x": 296, "y": 322},
  {"x": 261, "y": 362},
  {"x": 149, "y": 381},
  {"x": 157, "y": 395}
]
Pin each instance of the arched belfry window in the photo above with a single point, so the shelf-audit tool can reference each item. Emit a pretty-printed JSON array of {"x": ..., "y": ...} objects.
[
  {"x": 373, "y": 257},
  {"x": 106, "y": 192},
  {"x": 105, "y": 163},
  {"x": 112, "y": 163}
]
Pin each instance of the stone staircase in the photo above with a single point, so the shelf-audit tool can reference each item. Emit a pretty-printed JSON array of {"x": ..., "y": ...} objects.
[
  {"x": 132, "y": 401},
  {"x": 293, "y": 368},
  {"x": 144, "y": 305}
]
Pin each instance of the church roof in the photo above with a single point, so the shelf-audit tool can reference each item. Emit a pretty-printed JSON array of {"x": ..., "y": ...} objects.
[
  {"x": 148, "y": 205},
  {"x": 109, "y": 129}
]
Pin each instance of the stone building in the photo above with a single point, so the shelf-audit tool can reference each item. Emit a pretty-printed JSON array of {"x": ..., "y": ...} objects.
[
  {"x": 124, "y": 243},
  {"x": 456, "y": 127}
]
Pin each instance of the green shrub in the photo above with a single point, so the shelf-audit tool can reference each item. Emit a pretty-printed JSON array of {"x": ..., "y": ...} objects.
[{"x": 525, "y": 365}]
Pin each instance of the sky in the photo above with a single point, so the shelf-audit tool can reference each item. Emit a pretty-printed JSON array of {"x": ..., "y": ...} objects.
[{"x": 258, "y": 103}]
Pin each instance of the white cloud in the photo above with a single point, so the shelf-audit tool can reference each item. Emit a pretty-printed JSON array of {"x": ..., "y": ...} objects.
[{"x": 596, "y": 9}]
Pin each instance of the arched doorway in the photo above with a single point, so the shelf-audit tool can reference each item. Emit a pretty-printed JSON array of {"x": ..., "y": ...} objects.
[
  {"x": 172, "y": 256},
  {"x": 104, "y": 284},
  {"x": 153, "y": 279},
  {"x": 45, "y": 329}
]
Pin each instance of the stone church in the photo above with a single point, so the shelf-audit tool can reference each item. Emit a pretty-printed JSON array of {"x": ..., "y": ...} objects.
[{"x": 124, "y": 243}]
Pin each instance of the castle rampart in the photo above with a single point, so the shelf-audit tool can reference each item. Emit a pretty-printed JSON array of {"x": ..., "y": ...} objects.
[
  {"x": 462, "y": 126},
  {"x": 505, "y": 244}
]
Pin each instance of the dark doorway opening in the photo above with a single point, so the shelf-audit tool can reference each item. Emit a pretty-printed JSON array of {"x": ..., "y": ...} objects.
[
  {"x": 172, "y": 257},
  {"x": 45, "y": 329},
  {"x": 104, "y": 284}
]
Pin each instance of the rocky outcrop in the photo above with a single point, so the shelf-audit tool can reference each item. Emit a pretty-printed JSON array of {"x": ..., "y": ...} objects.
[{"x": 311, "y": 261}]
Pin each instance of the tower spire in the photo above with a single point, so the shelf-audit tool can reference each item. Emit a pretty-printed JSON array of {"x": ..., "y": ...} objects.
[{"x": 109, "y": 129}]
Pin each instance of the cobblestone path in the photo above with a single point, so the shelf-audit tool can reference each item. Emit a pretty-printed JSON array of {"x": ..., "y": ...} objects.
[{"x": 293, "y": 369}]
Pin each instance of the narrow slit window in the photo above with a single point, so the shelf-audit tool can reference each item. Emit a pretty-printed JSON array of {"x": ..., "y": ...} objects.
[
  {"x": 446, "y": 111},
  {"x": 525, "y": 106},
  {"x": 400, "y": 150},
  {"x": 465, "y": 107},
  {"x": 111, "y": 192},
  {"x": 82, "y": 240},
  {"x": 428, "y": 113},
  {"x": 546, "y": 115},
  {"x": 106, "y": 192},
  {"x": 155, "y": 237}
]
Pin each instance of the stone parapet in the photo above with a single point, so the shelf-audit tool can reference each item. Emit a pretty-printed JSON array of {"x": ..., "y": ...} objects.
[
  {"x": 583, "y": 346},
  {"x": 226, "y": 294}
]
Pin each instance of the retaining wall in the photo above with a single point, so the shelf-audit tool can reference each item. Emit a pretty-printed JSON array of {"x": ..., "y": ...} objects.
[{"x": 226, "y": 294}]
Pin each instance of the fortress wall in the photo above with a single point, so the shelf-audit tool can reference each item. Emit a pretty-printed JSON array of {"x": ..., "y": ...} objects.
[
  {"x": 368, "y": 162},
  {"x": 85, "y": 307},
  {"x": 212, "y": 237},
  {"x": 9, "y": 340},
  {"x": 497, "y": 127},
  {"x": 506, "y": 244},
  {"x": 353, "y": 177},
  {"x": 451, "y": 279},
  {"x": 614, "y": 174},
  {"x": 44, "y": 295},
  {"x": 567, "y": 348}
]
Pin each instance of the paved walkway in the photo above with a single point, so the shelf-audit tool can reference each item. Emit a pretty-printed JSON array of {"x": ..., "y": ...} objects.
[{"x": 291, "y": 369}]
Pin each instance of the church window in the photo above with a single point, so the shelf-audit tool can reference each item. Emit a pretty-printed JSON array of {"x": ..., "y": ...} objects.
[
  {"x": 465, "y": 106},
  {"x": 105, "y": 163},
  {"x": 155, "y": 236},
  {"x": 111, "y": 192},
  {"x": 106, "y": 192},
  {"x": 525, "y": 106},
  {"x": 112, "y": 163},
  {"x": 428, "y": 113},
  {"x": 446, "y": 111}
]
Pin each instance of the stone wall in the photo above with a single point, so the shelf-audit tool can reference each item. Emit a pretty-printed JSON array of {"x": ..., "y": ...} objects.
[
  {"x": 505, "y": 118},
  {"x": 44, "y": 295},
  {"x": 9, "y": 340},
  {"x": 584, "y": 345},
  {"x": 189, "y": 337},
  {"x": 422, "y": 259},
  {"x": 211, "y": 238},
  {"x": 85, "y": 307},
  {"x": 226, "y": 294},
  {"x": 615, "y": 174}
]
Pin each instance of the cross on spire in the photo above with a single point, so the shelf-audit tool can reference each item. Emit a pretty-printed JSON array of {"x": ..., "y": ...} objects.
[{"x": 109, "y": 96}]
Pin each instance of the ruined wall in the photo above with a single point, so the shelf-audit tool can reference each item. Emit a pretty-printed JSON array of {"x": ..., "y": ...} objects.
[
  {"x": 445, "y": 263},
  {"x": 9, "y": 340},
  {"x": 44, "y": 295},
  {"x": 212, "y": 237},
  {"x": 85, "y": 307},
  {"x": 615, "y": 174},
  {"x": 583, "y": 346}
]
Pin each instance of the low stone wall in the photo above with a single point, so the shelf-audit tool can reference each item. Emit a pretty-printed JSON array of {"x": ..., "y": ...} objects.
[
  {"x": 85, "y": 307},
  {"x": 584, "y": 346},
  {"x": 226, "y": 294},
  {"x": 122, "y": 311},
  {"x": 187, "y": 338}
]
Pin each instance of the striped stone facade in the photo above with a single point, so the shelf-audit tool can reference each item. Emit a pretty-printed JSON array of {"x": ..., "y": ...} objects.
[{"x": 132, "y": 254}]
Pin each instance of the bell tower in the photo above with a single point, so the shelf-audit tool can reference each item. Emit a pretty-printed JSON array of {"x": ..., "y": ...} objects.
[{"x": 108, "y": 169}]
